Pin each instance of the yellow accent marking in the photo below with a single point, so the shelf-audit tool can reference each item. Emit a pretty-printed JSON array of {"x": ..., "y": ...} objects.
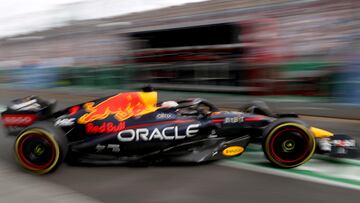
[
  {"x": 233, "y": 151},
  {"x": 320, "y": 133}
]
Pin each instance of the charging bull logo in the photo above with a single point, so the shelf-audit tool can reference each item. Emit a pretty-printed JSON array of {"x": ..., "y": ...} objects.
[{"x": 122, "y": 106}]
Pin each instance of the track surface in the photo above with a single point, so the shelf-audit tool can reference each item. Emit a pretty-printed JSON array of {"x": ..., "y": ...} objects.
[{"x": 204, "y": 183}]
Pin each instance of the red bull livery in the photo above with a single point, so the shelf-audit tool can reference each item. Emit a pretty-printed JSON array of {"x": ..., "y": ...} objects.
[
  {"x": 122, "y": 106},
  {"x": 133, "y": 127}
]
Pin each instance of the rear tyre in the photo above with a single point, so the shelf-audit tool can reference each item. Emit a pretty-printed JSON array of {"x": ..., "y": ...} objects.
[
  {"x": 289, "y": 145},
  {"x": 41, "y": 148}
]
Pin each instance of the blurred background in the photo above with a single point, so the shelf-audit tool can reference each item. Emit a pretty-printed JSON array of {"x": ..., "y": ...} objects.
[
  {"x": 263, "y": 48},
  {"x": 300, "y": 56}
]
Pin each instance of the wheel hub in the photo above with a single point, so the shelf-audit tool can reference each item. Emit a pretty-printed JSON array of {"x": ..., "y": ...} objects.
[
  {"x": 288, "y": 145},
  {"x": 39, "y": 150}
]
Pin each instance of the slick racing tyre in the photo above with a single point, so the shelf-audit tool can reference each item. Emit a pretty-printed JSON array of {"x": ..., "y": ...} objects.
[
  {"x": 41, "y": 148},
  {"x": 288, "y": 144}
]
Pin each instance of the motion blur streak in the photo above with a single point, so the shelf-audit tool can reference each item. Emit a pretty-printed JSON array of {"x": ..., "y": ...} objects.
[
  {"x": 279, "y": 47},
  {"x": 301, "y": 56}
]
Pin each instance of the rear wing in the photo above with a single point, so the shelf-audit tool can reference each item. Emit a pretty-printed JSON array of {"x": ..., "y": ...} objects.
[{"x": 23, "y": 112}]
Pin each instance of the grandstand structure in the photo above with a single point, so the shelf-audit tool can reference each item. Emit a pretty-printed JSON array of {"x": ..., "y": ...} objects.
[
  {"x": 271, "y": 32},
  {"x": 298, "y": 23}
]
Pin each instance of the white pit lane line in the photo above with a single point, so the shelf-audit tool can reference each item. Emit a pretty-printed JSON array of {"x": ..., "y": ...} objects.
[
  {"x": 277, "y": 172},
  {"x": 329, "y": 171}
]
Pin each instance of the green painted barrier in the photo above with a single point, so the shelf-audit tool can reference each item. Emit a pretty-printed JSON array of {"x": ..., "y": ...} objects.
[
  {"x": 103, "y": 76},
  {"x": 306, "y": 66}
]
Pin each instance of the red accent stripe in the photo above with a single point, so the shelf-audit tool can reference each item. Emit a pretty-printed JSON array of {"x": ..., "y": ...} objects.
[
  {"x": 73, "y": 110},
  {"x": 18, "y": 119},
  {"x": 159, "y": 123},
  {"x": 217, "y": 120},
  {"x": 254, "y": 119}
]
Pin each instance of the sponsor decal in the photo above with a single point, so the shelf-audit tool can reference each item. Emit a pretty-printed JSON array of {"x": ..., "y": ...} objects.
[
  {"x": 165, "y": 116},
  {"x": 65, "y": 122},
  {"x": 112, "y": 147},
  {"x": 168, "y": 133},
  {"x": 105, "y": 127},
  {"x": 18, "y": 119},
  {"x": 100, "y": 147},
  {"x": 122, "y": 106},
  {"x": 233, "y": 151},
  {"x": 234, "y": 120}
]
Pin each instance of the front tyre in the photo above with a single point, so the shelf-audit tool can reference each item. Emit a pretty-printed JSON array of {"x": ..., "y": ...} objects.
[
  {"x": 41, "y": 148},
  {"x": 289, "y": 145}
]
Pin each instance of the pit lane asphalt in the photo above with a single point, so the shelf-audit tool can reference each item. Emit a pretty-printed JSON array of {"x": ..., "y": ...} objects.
[{"x": 204, "y": 183}]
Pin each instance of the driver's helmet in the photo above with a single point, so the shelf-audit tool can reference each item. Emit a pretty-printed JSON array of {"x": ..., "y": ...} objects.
[{"x": 169, "y": 104}]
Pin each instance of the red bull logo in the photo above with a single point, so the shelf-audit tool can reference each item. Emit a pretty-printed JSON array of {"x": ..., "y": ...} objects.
[
  {"x": 105, "y": 127},
  {"x": 122, "y": 106}
]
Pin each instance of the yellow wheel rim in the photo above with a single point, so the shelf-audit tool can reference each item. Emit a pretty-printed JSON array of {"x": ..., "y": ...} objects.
[
  {"x": 49, "y": 137},
  {"x": 303, "y": 128}
]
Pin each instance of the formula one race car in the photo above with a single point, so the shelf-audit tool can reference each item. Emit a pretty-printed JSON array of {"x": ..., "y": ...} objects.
[{"x": 133, "y": 127}]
